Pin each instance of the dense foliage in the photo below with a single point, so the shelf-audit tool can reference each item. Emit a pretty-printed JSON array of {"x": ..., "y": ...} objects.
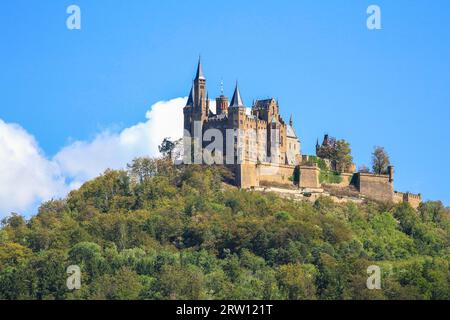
[
  {"x": 380, "y": 161},
  {"x": 338, "y": 152},
  {"x": 326, "y": 175},
  {"x": 159, "y": 232}
]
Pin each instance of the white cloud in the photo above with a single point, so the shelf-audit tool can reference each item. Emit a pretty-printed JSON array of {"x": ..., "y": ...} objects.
[
  {"x": 83, "y": 160},
  {"x": 27, "y": 177}
]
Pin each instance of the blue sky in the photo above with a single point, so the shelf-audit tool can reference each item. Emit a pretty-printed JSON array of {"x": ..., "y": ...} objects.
[{"x": 388, "y": 87}]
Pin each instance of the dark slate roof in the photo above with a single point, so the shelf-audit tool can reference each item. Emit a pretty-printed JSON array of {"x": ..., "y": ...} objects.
[
  {"x": 199, "y": 74},
  {"x": 190, "y": 101},
  {"x": 263, "y": 104},
  {"x": 237, "y": 101}
]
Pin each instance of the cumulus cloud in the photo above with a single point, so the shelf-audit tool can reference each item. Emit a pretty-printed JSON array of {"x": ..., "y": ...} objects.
[
  {"x": 27, "y": 177},
  {"x": 83, "y": 160}
]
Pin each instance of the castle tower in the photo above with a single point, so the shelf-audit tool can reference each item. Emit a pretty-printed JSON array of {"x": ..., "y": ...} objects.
[
  {"x": 236, "y": 101},
  {"x": 236, "y": 118},
  {"x": 195, "y": 115},
  {"x": 200, "y": 112},
  {"x": 222, "y": 105},
  {"x": 236, "y": 110}
]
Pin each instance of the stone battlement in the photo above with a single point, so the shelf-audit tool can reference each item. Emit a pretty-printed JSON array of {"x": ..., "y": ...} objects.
[{"x": 413, "y": 199}]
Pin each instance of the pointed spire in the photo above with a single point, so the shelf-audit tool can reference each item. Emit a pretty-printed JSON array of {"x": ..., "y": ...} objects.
[
  {"x": 291, "y": 122},
  {"x": 236, "y": 101},
  {"x": 190, "y": 101},
  {"x": 199, "y": 75}
]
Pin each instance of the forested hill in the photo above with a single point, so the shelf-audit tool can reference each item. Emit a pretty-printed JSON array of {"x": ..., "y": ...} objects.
[{"x": 157, "y": 232}]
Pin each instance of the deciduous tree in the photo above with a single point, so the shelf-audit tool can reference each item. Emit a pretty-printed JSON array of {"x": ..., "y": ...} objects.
[{"x": 380, "y": 161}]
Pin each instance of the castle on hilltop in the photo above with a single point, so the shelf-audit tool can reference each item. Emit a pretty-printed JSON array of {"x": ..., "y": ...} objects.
[
  {"x": 264, "y": 121},
  {"x": 263, "y": 151}
]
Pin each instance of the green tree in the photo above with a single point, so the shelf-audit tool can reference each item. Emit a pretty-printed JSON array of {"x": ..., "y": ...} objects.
[
  {"x": 177, "y": 283},
  {"x": 182, "y": 233},
  {"x": 167, "y": 147},
  {"x": 342, "y": 156},
  {"x": 297, "y": 281},
  {"x": 380, "y": 161},
  {"x": 122, "y": 285},
  {"x": 143, "y": 168}
]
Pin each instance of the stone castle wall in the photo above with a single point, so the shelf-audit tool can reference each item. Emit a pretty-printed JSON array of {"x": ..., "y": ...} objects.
[
  {"x": 347, "y": 179},
  {"x": 376, "y": 187},
  {"x": 413, "y": 199},
  {"x": 246, "y": 175},
  {"x": 371, "y": 186},
  {"x": 309, "y": 177},
  {"x": 249, "y": 175},
  {"x": 398, "y": 197},
  {"x": 277, "y": 174}
]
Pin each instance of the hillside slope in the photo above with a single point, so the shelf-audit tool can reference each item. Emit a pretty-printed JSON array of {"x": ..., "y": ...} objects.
[{"x": 178, "y": 234}]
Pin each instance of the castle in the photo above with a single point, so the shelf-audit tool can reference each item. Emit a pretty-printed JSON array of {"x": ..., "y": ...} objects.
[{"x": 263, "y": 151}]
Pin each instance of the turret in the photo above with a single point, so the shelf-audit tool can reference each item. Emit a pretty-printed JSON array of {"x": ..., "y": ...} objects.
[
  {"x": 199, "y": 97},
  {"x": 236, "y": 101},
  {"x": 326, "y": 140},
  {"x": 222, "y": 105},
  {"x": 236, "y": 111},
  {"x": 391, "y": 172}
]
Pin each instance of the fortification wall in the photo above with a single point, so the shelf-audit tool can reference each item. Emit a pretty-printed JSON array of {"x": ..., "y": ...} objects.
[
  {"x": 346, "y": 179},
  {"x": 309, "y": 177},
  {"x": 277, "y": 174},
  {"x": 398, "y": 197},
  {"x": 246, "y": 175},
  {"x": 376, "y": 187},
  {"x": 249, "y": 175},
  {"x": 413, "y": 199}
]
